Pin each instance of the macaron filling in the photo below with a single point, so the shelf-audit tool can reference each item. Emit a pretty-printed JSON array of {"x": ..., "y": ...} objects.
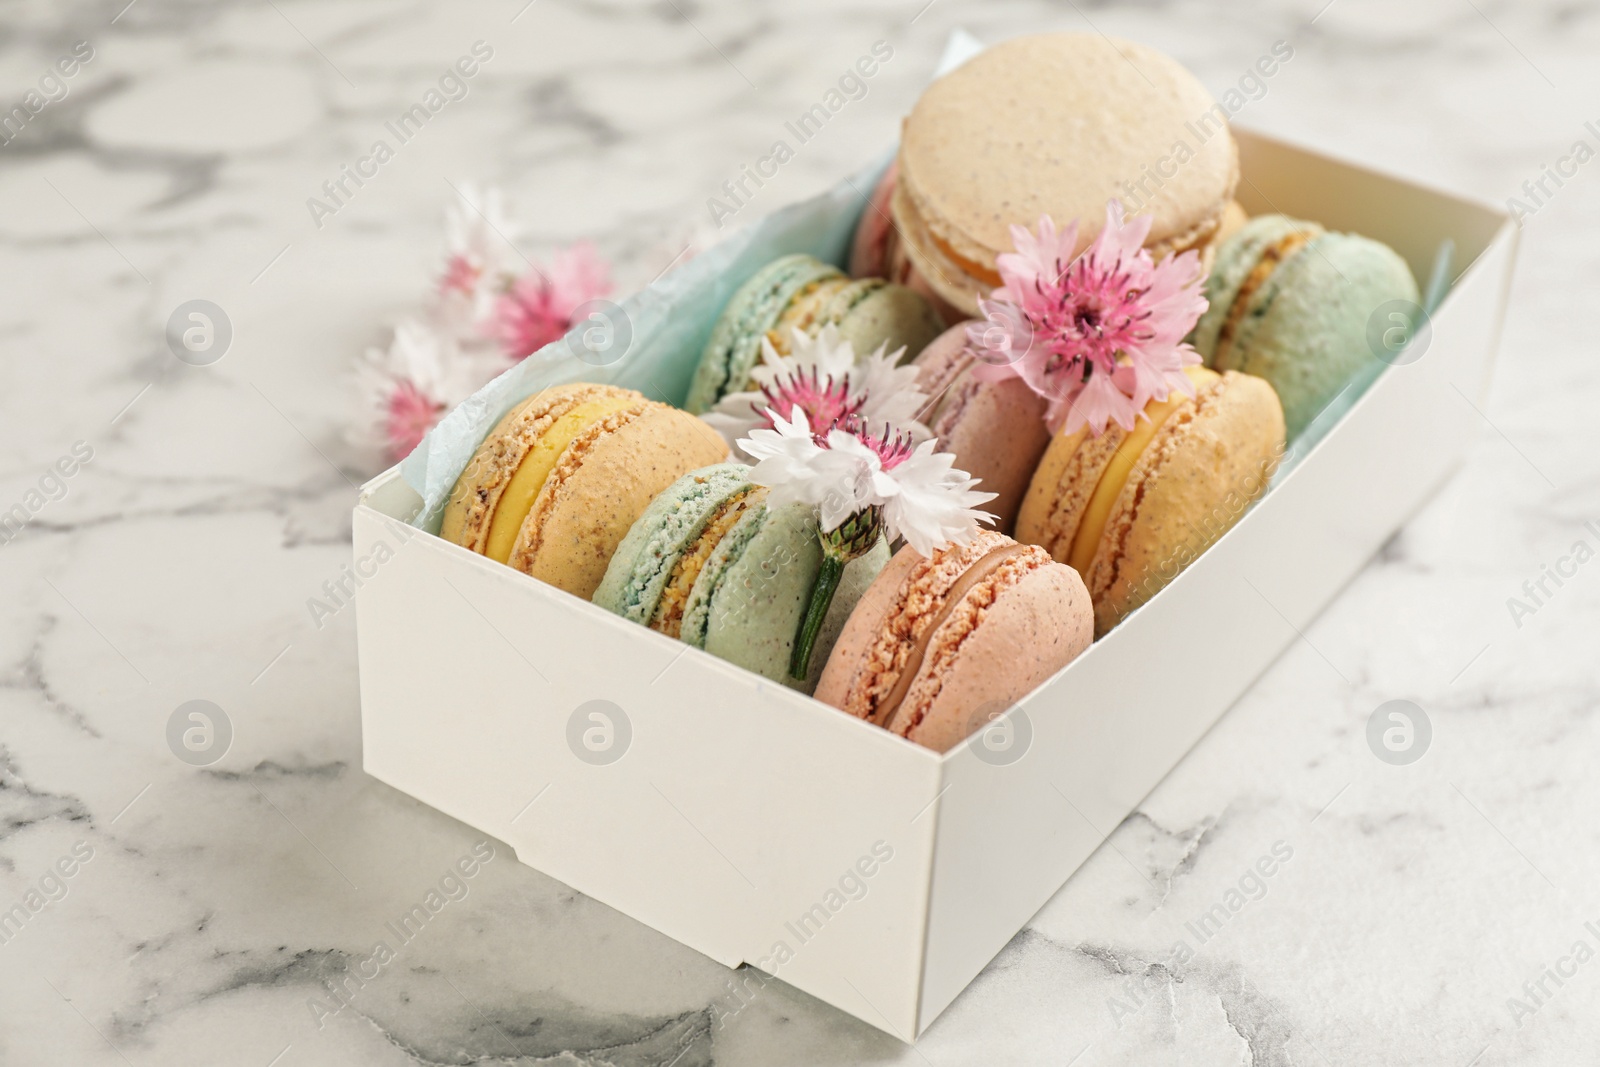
[
  {"x": 531, "y": 537},
  {"x": 849, "y": 297},
  {"x": 753, "y": 313},
  {"x": 668, "y": 616},
  {"x": 806, "y": 311},
  {"x": 1086, "y": 539},
  {"x": 971, "y": 268},
  {"x": 706, "y": 604},
  {"x": 889, "y": 706},
  {"x": 518, "y": 497},
  {"x": 919, "y": 222},
  {"x": 1272, "y": 256}
]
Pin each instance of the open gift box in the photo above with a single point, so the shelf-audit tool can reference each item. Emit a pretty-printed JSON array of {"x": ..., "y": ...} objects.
[{"x": 761, "y": 827}]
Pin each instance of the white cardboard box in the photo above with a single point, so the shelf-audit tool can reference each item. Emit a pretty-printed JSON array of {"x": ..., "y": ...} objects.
[{"x": 742, "y": 816}]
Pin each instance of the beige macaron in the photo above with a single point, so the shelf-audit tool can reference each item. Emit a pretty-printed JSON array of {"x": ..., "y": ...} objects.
[
  {"x": 1057, "y": 124},
  {"x": 557, "y": 483},
  {"x": 1130, "y": 509}
]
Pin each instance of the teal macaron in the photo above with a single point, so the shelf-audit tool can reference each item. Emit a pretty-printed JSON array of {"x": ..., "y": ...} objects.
[
  {"x": 1291, "y": 302},
  {"x": 800, "y": 292},
  {"x": 635, "y": 581},
  {"x": 712, "y": 565}
]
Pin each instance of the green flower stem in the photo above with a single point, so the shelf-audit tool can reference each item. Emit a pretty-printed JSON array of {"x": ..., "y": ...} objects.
[
  {"x": 850, "y": 540},
  {"x": 821, "y": 597}
]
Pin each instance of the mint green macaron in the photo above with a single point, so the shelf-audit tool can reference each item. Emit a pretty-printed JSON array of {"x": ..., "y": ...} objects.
[
  {"x": 799, "y": 292},
  {"x": 871, "y": 313},
  {"x": 754, "y": 309},
  {"x": 712, "y": 565},
  {"x": 636, "y": 579},
  {"x": 1290, "y": 302}
]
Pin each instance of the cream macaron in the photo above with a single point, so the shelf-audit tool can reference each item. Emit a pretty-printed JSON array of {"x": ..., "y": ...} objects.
[{"x": 1057, "y": 124}]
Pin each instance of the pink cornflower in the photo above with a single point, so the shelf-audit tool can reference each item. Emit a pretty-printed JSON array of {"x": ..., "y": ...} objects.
[
  {"x": 840, "y": 435},
  {"x": 892, "y": 447},
  {"x": 409, "y": 414},
  {"x": 848, "y": 473},
  {"x": 826, "y": 400},
  {"x": 823, "y": 378},
  {"x": 1099, "y": 335},
  {"x": 406, "y": 386},
  {"x": 461, "y": 276},
  {"x": 537, "y": 308}
]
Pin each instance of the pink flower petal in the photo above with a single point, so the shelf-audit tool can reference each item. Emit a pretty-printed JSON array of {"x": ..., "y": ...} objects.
[
  {"x": 409, "y": 416},
  {"x": 538, "y": 307},
  {"x": 1106, "y": 327},
  {"x": 578, "y": 275}
]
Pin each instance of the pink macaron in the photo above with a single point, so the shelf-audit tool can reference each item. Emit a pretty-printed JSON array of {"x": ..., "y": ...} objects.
[
  {"x": 937, "y": 646},
  {"x": 995, "y": 429}
]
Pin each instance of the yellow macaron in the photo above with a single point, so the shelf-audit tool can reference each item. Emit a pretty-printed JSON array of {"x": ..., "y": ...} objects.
[
  {"x": 1130, "y": 509},
  {"x": 557, "y": 483}
]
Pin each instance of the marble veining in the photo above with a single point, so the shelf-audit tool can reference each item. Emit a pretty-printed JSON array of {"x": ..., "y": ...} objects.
[{"x": 1420, "y": 911}]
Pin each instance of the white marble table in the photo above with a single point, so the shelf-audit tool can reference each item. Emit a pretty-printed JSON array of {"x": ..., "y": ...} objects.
[{"x": 177, "y": 565}]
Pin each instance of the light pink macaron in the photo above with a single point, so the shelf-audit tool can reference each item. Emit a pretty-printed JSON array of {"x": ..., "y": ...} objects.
[
  {"x": 937, "y": 646},
  {"x": 995, "y": 429}
]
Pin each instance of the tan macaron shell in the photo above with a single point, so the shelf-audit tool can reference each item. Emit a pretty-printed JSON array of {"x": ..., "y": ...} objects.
[
  {"x": 1194, "y": 481},
  {"x": 1208, "y": 460},
  {"x": 1062, "y": 486},
  {"x": 1233, "y": 219},
  {"x": 470, "y": 510},
  {"x": 602, "y": 484},
  {"x": 1055, "y": 124}
]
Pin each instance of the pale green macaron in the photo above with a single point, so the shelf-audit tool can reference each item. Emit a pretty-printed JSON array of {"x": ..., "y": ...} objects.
[
  {"x": 753, "y": 310},
  {"x": 800, "y": 292},
  {"x": 1292, "y": 303},
  {"x": 871, "y": 313},
  {"x": 712, "y": 565}
]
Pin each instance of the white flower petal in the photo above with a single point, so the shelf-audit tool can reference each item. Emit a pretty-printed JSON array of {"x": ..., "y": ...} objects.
[
  {"x": 925, "y": 499},
  {"x": 890, "y": 395},
  {"x": 935, "y": 502},
  {"x": 824, "y": 353},
  {"x": 735, "y": 416},
  {"x": 478, "y": 225}
]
